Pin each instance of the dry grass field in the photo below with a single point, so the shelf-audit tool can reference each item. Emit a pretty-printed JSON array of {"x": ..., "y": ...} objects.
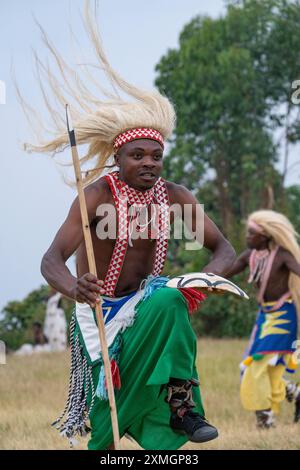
[{"x": 33, "y": 391}]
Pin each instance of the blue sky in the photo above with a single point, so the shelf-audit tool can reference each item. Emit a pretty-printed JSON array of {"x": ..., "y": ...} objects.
[{"x": 34, "y": 200}]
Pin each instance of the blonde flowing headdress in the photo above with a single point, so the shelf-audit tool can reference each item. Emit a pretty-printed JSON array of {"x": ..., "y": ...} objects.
[
  {"x": 98, "y": 118},
  {"x": 281, "y": 233}
]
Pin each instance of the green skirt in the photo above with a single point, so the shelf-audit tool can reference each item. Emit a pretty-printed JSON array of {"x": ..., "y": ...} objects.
[{"x": 161, "y": 344}]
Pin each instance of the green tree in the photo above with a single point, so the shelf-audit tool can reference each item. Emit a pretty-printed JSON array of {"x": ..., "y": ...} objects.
[{"x": 231, "y": 94}]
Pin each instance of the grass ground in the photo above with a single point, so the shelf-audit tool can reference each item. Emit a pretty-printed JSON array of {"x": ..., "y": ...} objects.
[{"x": 33, "y": 391}]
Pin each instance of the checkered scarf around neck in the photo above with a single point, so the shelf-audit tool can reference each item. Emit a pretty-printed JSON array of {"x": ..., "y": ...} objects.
[{"x": 125, "y": 196}]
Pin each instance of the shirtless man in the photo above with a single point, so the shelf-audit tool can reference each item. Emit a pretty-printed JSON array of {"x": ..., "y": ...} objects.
[
  {"x": 273, "y": 256},
  {"x": 140, "y": 164},
  {"x": 151, "y": 344}
]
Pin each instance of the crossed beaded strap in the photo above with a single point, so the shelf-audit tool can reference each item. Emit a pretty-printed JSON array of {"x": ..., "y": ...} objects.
[{"x": 123, "y": 195}]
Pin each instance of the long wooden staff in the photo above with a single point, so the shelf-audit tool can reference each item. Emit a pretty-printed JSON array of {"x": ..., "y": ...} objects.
[{"x": 93, "y": 270}]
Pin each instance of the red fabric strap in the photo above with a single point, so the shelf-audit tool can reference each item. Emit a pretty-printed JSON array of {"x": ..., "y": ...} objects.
[{"x": 125, "y": 196}]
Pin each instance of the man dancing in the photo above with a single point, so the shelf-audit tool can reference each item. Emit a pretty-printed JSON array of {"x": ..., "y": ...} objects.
[
  {"x": 273, "y": 256},
  {"x": 152, "y": 346}
]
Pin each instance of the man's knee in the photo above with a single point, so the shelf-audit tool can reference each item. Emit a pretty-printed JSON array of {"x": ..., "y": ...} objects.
[
  {"x": 171, "y": 301},
  {"x": 170, "y": 297}
]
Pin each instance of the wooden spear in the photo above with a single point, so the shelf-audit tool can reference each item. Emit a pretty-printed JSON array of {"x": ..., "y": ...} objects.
[{"x": 93, "y": 270}]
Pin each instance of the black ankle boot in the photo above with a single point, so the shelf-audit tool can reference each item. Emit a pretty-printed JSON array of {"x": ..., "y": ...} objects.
[
  {"x": 265, "y": 419},
  {"x": 183, "y": 420}
]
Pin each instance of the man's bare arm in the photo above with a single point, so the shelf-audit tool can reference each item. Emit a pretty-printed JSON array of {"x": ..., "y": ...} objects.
[
  {"x": 240, "y": 264},
  {"x": 65, "y": 243},
  {"x": 223, "y": 254},
  {"x": 222, "y": 251},
  {"x": 290, "y": 262}
]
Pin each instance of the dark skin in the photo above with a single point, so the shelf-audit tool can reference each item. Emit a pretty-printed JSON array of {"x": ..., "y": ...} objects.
[
  {"x": 284, "y": 264},
  {"x": 140, "y": 165}
]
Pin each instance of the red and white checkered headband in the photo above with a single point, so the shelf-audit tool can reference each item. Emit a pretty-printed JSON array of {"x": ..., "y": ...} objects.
[{"x": 138, "y": 133}]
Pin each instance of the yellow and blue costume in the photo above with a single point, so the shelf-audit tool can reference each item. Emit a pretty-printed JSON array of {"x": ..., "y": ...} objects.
[{"x": 270, "y": 353}]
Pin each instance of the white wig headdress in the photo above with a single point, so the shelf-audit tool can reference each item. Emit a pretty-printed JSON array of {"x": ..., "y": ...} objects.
[
  {"x": 98, "y": 120},
  {"x": 281, "y": 233}
]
